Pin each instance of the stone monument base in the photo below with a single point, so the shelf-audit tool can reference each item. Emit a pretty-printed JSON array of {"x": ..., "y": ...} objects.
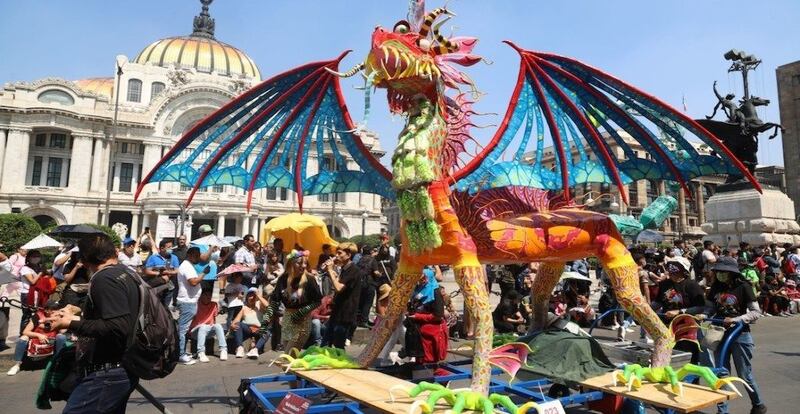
[{"x": 738, "y": 214}]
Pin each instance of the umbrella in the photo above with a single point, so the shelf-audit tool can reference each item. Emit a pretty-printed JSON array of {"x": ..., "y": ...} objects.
[
  {"x": 74, "y": 231},
  {"x": 234, "y": 268},
  {"x": 649, "y": 236},
  {"x": 303, "y": 229},
  {"x": 575, "y": 276},
  {"x": 231, "y": 239},
  {"x": 211, "y": 240},
  {"x": 40, "y": 242}
]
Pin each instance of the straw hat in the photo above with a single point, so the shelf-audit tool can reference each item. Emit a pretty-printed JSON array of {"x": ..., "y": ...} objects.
[{"x": 383, "y": 291}]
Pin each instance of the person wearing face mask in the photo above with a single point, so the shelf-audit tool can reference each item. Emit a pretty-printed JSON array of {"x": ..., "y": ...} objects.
[
  {"x": 734, "y": 302},
  {"x": 28, "y": 275},
  {"x": 161, "y": 268}
]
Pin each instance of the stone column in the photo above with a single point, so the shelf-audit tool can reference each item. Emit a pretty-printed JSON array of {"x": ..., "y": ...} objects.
[
  {"x": 2, "y": 152},
  {"x": 682, "y": 221},
  {"x": 15, "y": 163},
  {"x": 145, "y": 220},
  {"x": 221, "y": 225},
  {"x": 134, "y": 230},
  {"x": 99, "y": 166},
  {"x": 701, "y": 204},
  {"x": 255, "y": 230},
  {"x": 80, "y": 171},
  {"x": 245, "y": 224}
]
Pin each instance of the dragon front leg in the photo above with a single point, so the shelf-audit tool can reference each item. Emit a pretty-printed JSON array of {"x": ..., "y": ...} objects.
[
  {"x": 406, "y": 278},
  {"x": 471, "y": 280},
  {"x": 461, "y": 402},
  {"x": 487, "y": 405}
]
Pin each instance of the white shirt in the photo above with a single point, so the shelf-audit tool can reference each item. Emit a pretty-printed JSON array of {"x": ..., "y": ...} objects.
[
  {"x": 58, "y": 271},
  {"x": 186, "y": 292},
  {"x": 132, "y": 262},
  {"x": 26, "y": 285},
  {"x": 244, "y": 256}
]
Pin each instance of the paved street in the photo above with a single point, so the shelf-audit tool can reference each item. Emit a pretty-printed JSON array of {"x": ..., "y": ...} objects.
[{"x": 212, "y": 387}]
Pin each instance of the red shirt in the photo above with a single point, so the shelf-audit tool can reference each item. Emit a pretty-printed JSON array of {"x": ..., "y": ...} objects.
[{"x": 206, "y": 314}]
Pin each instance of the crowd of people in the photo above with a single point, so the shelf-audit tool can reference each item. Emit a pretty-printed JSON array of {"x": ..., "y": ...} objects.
[{"x": 272, "y": 296}]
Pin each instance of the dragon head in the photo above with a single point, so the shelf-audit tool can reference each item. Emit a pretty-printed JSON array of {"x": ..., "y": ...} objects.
[{"x": 413, "y": 59}]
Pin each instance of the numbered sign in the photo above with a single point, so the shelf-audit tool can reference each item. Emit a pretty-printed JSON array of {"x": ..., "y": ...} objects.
[
  {"x": 294, "y": 404},
  {"x": 551, "y": 407}
]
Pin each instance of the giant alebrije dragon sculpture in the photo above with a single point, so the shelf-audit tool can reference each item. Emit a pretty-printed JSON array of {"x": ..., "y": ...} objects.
[{"x": 484, "y": 210}]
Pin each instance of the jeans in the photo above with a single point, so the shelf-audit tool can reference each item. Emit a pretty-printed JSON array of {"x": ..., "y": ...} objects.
[
  {"x": 245, "y": 332},
  {"x": 742, "y": 355},
  {"x": 22, "y": 346},
  {"x": 101, "y": 392},
  {"x": 186, "y": 310},
  {"x": 336, "y": 333},
  {"x": 202, "y": 332},
  {"x": 365, "y": 302},
  {"x": 317, "y": 333},
  {"x": 232, "y": 312}
]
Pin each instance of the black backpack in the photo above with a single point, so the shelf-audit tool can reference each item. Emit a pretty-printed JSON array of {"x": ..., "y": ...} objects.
[{"x": 152, "y": 350}]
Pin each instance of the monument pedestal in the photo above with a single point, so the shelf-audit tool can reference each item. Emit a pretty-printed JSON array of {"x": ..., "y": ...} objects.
[{"x": 739, "y": 214}]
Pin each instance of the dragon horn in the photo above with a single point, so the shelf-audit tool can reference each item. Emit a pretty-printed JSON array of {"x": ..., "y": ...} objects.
[
  {"x": 428, "y": 21},
  {"x": 357, "y": 68},
  {"x": 528, "y": 406},
  {"x": 398, "y": 387},
  {"x": 729, "y": 381}
]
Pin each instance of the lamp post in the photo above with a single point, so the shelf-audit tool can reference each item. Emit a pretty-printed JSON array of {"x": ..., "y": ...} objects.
[
  {"x": 364, "y": 217},
  {"x": 121, "y": 60}
]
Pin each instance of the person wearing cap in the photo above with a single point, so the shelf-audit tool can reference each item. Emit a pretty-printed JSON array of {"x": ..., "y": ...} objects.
[
  {"x": 680, "y": 295},
  {"x": 128, "y": 256},
  {"x": 734, "y": 302},
  {"x": 188, "y": 294}
]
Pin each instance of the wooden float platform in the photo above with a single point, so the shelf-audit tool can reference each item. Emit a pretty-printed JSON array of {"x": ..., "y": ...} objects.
[
  {"x": 694, "y": 398},
  {"x": 365, "y": 386}
]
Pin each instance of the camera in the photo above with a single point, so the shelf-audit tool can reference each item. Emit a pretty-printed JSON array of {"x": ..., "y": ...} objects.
[{"x": 48, "y": 326}]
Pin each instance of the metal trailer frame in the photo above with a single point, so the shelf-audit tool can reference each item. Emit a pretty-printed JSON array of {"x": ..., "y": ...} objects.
[{"x": 534, "y": 390}]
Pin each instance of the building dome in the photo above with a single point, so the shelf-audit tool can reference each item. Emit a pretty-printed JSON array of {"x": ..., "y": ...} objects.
[
  {"x": 200, "y": 51},
  {"x": 100, "y": 86}
]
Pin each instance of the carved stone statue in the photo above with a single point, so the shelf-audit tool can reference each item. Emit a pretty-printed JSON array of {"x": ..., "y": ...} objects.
[
  {"x": 204, "y": 23},
  {"x": 739, "y": 132}
]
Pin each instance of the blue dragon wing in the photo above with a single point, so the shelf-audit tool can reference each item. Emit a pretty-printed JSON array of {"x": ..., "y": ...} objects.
[
  {"x": 563, "y": 105},
  {"x": 262, "y": 139}
]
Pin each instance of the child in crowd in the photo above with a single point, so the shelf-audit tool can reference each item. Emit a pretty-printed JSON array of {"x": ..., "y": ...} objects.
[
  {"x": 234, "y": 293},
  {"x": 205, "y": 321}
]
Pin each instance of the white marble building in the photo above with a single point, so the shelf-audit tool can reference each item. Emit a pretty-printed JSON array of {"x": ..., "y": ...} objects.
[{"x": 56, "y": 153}]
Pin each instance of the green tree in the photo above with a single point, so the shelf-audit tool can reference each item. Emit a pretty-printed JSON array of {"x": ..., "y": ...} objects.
[
  {"x": 16, "y": 230},
  {"x": 372, "y": 240}
]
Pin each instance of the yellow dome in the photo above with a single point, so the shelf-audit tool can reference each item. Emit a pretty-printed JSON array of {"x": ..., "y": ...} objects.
[
  {"x": 202, "y": 53},
  {"x": 100, "y": 86}
]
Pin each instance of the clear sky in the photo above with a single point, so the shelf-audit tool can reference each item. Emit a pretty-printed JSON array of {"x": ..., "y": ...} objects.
[{"x": 671, "y": 49}]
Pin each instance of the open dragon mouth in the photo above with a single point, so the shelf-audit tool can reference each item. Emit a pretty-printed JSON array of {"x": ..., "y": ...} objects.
[{"x": 393, "y": 64}]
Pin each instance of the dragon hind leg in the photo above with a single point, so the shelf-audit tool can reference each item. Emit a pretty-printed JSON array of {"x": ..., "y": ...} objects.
[
  {"x": 546, "y": 279},
  {"x": 624, "y": 276}
]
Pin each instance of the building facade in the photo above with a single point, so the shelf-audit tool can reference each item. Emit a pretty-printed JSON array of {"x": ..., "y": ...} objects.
[
  {"x": 788, "y": 77},
  {"x": 59, "y": 150}
]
